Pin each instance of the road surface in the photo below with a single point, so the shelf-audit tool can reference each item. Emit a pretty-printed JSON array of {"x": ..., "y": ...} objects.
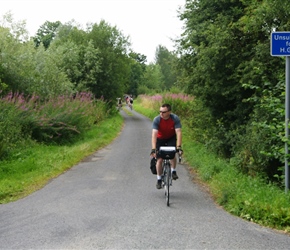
[{"x": 109, "y": 201}]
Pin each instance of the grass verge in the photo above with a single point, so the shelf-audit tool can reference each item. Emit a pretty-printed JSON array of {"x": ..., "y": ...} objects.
[{"x": 36, "y": 165}]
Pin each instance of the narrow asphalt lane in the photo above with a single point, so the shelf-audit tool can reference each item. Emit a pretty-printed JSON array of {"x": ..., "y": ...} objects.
[{"x": 109, "y": 201}]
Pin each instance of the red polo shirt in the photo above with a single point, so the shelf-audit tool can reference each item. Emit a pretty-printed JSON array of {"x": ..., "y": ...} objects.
[{"x": 166, "y": 128}]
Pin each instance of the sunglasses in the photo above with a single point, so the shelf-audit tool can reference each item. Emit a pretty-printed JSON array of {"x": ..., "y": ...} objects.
[{"x": 163, "y": 112}]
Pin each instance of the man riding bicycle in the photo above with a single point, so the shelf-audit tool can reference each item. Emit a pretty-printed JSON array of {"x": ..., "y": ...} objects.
[{"x": 166, "y": 131}]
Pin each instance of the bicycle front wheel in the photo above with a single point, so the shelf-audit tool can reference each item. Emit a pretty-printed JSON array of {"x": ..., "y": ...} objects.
[{"x": 167, "y": 183}]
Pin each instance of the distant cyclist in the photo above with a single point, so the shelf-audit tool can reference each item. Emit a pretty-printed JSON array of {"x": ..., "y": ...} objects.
[
  {"x": 127, "y": 99},
  {"x": 166, "y": 131},
  {"x": 131, "y": 101}
]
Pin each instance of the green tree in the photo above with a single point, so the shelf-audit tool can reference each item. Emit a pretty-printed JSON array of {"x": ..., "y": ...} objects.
[
  {"x": 153, "y": 80},
  {"x": 97, "y": 59},
  {"x": 16, "y": 62},
  {"x": 113, "y": 48},
  {"x": 226, "y": 62},
  {"x": 27, "y": 70},
  {"x": 215, "y": 44},
  {"x": 51, "y": 80},
  {"x": 69, "y": 59},
  {"x": 46, "y": 33},
  {"x": 138, "y": 68},
  {"x": 166, "y": 59},
  {"x": 14, "y": 66}
]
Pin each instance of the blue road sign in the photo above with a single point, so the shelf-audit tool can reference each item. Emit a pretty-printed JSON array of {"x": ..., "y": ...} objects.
[{"x": 280, "y": 43}]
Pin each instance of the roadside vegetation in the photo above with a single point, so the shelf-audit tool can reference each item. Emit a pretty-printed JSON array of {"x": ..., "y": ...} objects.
[
  {"x": 42, "y": 140},
  {"x": 248, "y": 197}
]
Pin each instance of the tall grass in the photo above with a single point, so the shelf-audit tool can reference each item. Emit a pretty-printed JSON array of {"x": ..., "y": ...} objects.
[
  {"x": 57, "y": 120},
  {"x": 10, "y": 128},
  {"x": 180, "y": 103}
]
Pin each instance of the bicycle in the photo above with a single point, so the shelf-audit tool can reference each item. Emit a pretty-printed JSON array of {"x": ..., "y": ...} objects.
[
  {"x": 130, "y": 104},
  {"x": 167, "y": 153}
]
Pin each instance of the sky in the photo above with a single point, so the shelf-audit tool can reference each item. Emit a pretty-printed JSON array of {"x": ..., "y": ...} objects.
[{"x": 148, "y": 23}]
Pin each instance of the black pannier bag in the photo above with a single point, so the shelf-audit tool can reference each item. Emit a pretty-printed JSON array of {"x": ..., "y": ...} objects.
[{"x": 153, "y": 166}]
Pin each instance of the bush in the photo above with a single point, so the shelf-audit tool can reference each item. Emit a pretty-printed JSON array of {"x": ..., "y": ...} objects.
[
  {"x": 61, "y": 119},
  {"x": 58, "y": 120},
  {"x": 259, "y": 147}
]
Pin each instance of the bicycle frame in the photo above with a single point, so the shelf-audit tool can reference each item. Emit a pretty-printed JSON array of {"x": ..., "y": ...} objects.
[{"x": 167, "y": 153}]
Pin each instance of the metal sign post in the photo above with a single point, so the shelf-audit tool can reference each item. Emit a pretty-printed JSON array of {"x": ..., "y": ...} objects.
[
  {"x": 280, "y": 46},
  {"x": 287, "y": 117}
]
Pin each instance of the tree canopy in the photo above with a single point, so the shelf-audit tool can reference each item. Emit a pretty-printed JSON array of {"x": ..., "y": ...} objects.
[
  {"x": 63, "y": 58},
  {"x": 226, "y": 64}
]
